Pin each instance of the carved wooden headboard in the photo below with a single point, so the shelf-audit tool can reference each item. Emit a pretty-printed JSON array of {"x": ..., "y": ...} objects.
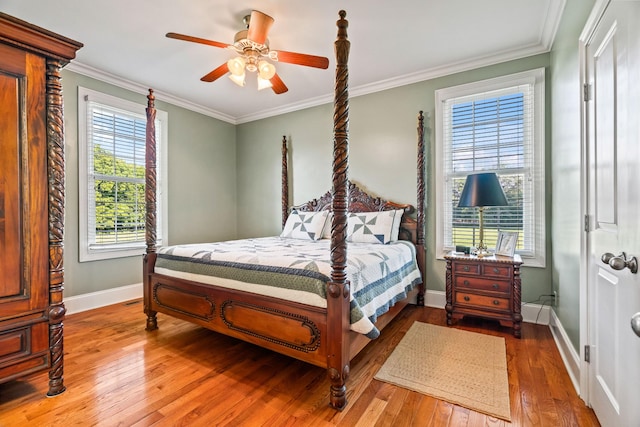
[{"x": 361, "y": 201}]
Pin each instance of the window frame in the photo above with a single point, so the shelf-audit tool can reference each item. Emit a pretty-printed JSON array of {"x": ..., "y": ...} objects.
[
  {"x": 118, "y": 250},
  {"x": 536, "y": 78}
]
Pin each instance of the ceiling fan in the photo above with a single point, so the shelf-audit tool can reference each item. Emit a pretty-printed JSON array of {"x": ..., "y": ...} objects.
[{"x": 252, "y": 47}]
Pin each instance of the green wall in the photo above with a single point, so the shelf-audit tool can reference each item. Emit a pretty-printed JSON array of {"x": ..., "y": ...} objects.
[
  {"x": 202, "y": 186},
  {"x": 565, "y": 167},
  {"x": 382, "y": 159}
]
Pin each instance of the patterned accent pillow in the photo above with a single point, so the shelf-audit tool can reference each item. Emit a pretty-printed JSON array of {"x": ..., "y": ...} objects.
[
  {"x": 304, "y": 225},
  {"x": 370, "y": 227}
]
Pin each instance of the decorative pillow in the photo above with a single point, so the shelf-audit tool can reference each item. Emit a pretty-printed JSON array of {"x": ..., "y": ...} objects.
[
  {"x": 397, "y": 220},
  {"x": 370, "y": 227},
  {"x": 304, "y": 225},
  {"x": 326, "y": 232}
]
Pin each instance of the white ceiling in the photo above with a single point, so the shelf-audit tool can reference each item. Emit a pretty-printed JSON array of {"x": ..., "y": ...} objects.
[{"x": 392, "y": 44}]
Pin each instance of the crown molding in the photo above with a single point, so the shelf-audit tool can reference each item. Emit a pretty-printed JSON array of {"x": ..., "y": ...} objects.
[
  {"x": 543, "y": 46},
  {"x": 552, "y": 23},
  {"x": 136, "y": 87},
  {"x": 404, "y": 80},
  {"x": 289, "y": 108}
]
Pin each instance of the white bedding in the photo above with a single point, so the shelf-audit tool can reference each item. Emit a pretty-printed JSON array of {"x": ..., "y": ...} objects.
[{"x": 297, "y": 270}]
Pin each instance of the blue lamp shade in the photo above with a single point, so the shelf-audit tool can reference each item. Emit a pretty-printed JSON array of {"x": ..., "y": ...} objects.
[{"x": 482, "y": 189}]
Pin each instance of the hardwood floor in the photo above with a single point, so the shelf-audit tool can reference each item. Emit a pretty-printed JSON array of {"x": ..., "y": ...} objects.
[{"x": 119, "y": 375}]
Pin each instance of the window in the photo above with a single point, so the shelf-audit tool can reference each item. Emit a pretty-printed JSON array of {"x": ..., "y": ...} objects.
[
  {"x": 496, "y": 126},
  {"x": 112, "y": 134}
]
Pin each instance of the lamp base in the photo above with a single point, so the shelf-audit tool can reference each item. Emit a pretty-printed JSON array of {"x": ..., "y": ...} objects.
[{"x": 481, "y": 251}]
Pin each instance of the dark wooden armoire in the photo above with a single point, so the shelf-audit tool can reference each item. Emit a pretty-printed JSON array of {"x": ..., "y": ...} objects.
[{"x": 31, "y": 200}]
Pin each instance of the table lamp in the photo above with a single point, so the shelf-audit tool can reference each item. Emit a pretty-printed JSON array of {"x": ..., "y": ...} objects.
[{"x": 481, "y": 190}]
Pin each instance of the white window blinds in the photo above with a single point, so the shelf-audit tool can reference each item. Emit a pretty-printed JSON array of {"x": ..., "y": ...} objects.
[
  {"x": 492, "y": 131},
  {"x": 116, "y": 176},
  {"x": 112, "y": 176}
]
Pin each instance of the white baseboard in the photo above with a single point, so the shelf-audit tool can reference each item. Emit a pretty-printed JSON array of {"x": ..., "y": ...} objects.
[
  {"x": 531, "y": 313},
  {"x": 536, "y": 313},
  {"x": 84, "y": 302},
  {"x": 569, "y": 355},
  {"x": 435, "y": 299}
]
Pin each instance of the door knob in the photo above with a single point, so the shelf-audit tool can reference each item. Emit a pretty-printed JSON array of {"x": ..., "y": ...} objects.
[
  {"x": 620, "y": 262},
  {"x": 606, "y": 257},
  {"x": 635, "y": 323}
]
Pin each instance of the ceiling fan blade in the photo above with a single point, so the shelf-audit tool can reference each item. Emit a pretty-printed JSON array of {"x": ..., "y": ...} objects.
[
  {"x": 196, "y": 40},
  {"x": 278, "y": 85},
  {"x": 259, "y": 26},
  {"x": 216, "y": 74},
  {"x": 303, "y": 59}
]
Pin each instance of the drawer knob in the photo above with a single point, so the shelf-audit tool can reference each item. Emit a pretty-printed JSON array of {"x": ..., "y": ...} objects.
[
  {"x": 496, "y": 270},
  {"x": 465, "y": 268},
  {"x": 466, "y": 283},
  {"x": 496, "y": 302},
  {"x": 466, "y": 298},
  {"x": 495, "y": 286}
]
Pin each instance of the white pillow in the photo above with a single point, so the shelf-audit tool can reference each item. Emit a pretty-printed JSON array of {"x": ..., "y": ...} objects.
[
  {"x": 395, "y": 228},
  {"x": 326, "y": 232},
  {"x": 370, "y": 227},
  {"x": 304, "y": 225}
]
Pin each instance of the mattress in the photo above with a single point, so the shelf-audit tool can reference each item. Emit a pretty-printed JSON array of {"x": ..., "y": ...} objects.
[{"x": 298, "y": 270}]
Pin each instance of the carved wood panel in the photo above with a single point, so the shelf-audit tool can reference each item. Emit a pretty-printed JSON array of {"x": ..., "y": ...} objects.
[
  {"x": 188, "y": 302},
  {"x": 277, "y": 326}
]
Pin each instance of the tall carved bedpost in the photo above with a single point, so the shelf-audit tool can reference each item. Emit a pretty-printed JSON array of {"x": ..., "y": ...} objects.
[
  {"x": 285, "y": 182},
  {"x": 338, "y": 288},
  {"x": 55, "y": 172},
  {"x": 150, "y": 200},
  {"x": 420, "y": 205}
]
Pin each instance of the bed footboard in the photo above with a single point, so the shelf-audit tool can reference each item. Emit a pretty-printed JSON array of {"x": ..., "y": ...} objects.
[{"x": 289, "y": 328}]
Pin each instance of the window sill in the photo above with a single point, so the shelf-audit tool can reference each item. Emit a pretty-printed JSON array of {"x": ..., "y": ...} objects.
[{"x": 104, "y": 254}]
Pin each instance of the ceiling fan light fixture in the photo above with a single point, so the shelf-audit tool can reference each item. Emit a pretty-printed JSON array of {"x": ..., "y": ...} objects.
[
  {"x": 266, "y": 70},
  {"x": 264, "y": 83},
  {"x": 236, "y": 66},
  {"x": 253, "y": 54},
  {"x": 237, "y": 79}
]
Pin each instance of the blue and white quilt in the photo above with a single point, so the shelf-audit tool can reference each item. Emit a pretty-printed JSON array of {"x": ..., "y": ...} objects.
[{"x": 298, "y": 270}]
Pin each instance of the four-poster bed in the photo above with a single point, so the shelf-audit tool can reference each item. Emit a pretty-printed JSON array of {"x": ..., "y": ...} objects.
[{"x": 321, "y": 334}]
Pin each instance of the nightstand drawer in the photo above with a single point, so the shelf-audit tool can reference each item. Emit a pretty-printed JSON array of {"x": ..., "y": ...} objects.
[
  {"x": 493, "y": 303},
  {"x": 483, "y": 284},
  {"x": 460, "y": 267},
  {"x": 496, "y": 270}
]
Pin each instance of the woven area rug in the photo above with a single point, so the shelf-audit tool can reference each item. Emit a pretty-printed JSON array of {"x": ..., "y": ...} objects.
[{"x": 461, "y": 367}]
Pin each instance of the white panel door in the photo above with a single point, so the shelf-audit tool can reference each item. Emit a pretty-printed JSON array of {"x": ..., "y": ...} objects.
[{"x": 613, "y": 72}]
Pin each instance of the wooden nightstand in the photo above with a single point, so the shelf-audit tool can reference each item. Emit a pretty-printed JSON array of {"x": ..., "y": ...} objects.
[{"x": 486, "y": 287}]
